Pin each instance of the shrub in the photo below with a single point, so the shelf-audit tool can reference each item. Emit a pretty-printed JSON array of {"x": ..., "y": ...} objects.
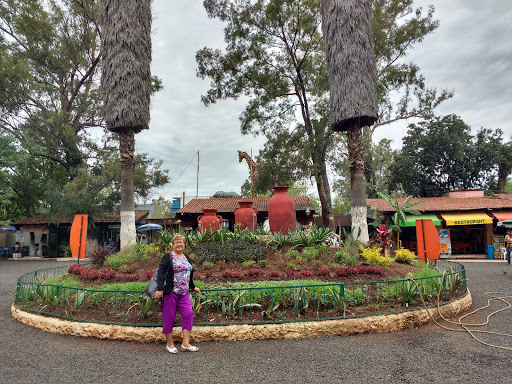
[
  {"x": 324, "y": 271},
  {"x": 306, "y": 273},
  {"x": 152, "y": 250},
  {"x": 75, "y": 269},
  {"x": 107, "y": 274},
  {"x": 98, "y": 255},
  {"x": 263, "y": 263},
  {"x": 323, "y": 250},
  {"x": 149, "y": 274},
  {"x": 235, "y": 250},
  {"x": 346, "y": 258},
  {"x": 403, "y": 255},
  {"x": 248, "y": 263},
  {"x": 274, "y": 274},
  {"x": 132, "y": 277},
  {"x": 292, "y": 266},
  {"x": 253, "y": 272},
  {"x": 345, "y": 271},
  {"x": 208, "y": 265},
  {"x": 231, "y": 274},
  {"x": 115, "y": 260},
  {"x": 373, "y": 257},
  {"x": 119, "y": 277},
  {"x": 89, "y": 274},
  {"x": 208, "y": 273},
  {"x": 310, "y": 253},
  {"x": 290, "y": 273},
  {"x": 292, "y": 253}
]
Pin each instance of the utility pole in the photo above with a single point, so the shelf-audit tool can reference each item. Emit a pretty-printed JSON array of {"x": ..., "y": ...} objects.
[{"x": 197, "y": 181}]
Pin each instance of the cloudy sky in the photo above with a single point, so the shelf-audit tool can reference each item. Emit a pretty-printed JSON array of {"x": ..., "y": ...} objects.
[{"x": 470, "y": 53}]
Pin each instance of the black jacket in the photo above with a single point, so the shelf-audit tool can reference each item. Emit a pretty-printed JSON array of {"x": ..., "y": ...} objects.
[{"x": 166, "y": 265}]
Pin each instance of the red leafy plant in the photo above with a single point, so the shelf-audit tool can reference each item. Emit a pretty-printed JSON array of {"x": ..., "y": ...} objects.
[
  {"x": 231, "y": 274},
  {"x": 324, "y": 271},
  {"x": 274, "y": 274},
  {"x": 382, "y": 237},
  {"x": 306, "y": 273},
  {"x": 290, "y": 273},
  {"x": 254, "y": 272}
]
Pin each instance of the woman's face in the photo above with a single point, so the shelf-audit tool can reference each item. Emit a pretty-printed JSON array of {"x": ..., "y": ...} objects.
[{"x": 178, "y": 245}]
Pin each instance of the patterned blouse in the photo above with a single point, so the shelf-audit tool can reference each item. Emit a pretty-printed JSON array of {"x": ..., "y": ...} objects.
[{"x": 182, "y": 269}]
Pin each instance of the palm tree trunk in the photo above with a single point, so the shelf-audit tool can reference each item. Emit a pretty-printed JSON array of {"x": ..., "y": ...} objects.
[
  {"x": 357, "y": 183},
  {"x": 127, "y": 152}
]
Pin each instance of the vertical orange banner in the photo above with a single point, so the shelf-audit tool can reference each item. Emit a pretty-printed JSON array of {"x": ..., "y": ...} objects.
[
  {"x": 78, "y": 236},
  {"x": 427, "y": 237}
]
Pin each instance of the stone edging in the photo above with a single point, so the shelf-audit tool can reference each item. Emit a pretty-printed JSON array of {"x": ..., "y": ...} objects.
[{"x": 342, "y": 327}]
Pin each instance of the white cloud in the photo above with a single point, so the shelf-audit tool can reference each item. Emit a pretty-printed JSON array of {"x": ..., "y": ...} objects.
[{"x": 469, "y": 53}]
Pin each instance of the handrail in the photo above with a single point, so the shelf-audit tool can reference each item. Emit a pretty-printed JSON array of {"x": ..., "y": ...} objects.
[{"x": 279, "y": 303}]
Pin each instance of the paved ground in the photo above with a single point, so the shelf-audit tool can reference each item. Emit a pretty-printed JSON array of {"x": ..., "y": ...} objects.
[{"x": 427, "y": 354}]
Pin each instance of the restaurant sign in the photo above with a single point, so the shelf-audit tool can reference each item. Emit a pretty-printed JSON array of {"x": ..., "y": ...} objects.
[{"x": 469, "y": 221}]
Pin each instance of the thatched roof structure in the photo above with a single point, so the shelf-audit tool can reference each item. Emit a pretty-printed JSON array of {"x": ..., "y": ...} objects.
[
  {"x": 126, "y": 53},
  {"x": 347, "y": 28}
]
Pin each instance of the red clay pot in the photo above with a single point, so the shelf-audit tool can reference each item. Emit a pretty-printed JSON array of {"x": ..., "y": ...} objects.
[
  {"x": 209, "y": 220},
  {"x": 245, "y": 216},
  {"x": 281, "y": 211}
]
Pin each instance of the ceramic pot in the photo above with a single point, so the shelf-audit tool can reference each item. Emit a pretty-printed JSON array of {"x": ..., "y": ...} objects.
[
  {"x": 281, "y": 211},
  {"x": 245, "y": 216},
  {"x": 209, "y": 220}
]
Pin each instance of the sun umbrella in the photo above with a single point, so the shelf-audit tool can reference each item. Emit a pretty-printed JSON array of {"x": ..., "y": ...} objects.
[{"x": 149, "y": 227}]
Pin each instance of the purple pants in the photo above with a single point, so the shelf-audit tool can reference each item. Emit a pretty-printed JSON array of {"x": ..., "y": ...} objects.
[{"x": 172, "y": 303}]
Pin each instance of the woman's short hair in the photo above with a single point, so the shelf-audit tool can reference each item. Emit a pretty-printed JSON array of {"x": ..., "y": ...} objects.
[{"x": 178, "y": 237}]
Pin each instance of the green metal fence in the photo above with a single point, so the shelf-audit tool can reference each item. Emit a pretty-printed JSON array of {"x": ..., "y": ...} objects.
[{"x": 295, "y": 301}]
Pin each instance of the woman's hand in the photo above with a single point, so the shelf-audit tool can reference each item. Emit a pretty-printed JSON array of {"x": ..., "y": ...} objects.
[
  {"x": 158, "y": 295},
  {"x": 197, "y": 290}
]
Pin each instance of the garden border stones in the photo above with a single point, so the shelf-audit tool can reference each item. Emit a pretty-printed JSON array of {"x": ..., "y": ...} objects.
[{"x": 324, "y": 328}]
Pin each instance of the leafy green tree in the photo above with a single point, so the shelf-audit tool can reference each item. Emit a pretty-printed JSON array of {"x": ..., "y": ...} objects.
[
  {"x": 275, "y": 56},
  {"x": 49, "y": 65},
  {"x": 443, "y": 155}
]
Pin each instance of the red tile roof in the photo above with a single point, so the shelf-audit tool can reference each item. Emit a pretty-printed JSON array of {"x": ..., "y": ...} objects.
[
  {"x": 228, "y": 205},
  {"x": 105, "y": 217},
  {"x": 444, "y": 204}
]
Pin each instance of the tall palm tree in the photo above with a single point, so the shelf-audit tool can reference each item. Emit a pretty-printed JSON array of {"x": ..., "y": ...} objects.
[
  {"x": 347, "y": 27},
  {"x": 126, "y": 85}
]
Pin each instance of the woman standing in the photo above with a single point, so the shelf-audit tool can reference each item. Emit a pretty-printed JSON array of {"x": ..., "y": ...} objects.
[{"x": 174, "y": 280}]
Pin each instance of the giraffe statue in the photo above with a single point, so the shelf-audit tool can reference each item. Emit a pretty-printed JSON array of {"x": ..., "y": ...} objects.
[{"x": 253, "y": 168}]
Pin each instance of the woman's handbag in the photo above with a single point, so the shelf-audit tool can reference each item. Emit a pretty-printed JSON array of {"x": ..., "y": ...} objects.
[{"x": 152, "y": 284}]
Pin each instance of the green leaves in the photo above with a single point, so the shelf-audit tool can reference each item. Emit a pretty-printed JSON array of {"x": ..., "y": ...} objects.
[{"x": 442, "y": 155}]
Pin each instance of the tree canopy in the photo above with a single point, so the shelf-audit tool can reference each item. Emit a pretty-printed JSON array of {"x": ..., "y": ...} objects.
[
  {"x": 275, "y": 56},
  {"x": 441, "y": 155},
  {"x": 51, "y": 110}
]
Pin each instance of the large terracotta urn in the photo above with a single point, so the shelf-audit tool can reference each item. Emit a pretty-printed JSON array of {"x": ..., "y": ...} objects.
[
  {"x": 245, "y": 216},
  {"x": 281, "y": 211},
  {"x": 210, "y": 219}
]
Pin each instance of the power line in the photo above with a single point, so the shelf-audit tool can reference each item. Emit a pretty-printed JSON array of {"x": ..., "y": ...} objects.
[{"x": 175, "y": 181}]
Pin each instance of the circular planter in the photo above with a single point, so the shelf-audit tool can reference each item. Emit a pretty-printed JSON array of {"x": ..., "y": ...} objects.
[
  {"x": 210, "y": 219},
  {"x": 245, "y": 216},
  {"x": 281, "y": 211}
]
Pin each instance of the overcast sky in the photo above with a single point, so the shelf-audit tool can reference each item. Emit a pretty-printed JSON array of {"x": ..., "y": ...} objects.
[{"x": 470, "y": 53}]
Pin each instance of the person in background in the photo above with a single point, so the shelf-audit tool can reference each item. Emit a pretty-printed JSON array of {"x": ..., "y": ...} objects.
[
  {"x": 176, "y": 270},
  {"x": 508, "y": 244}
]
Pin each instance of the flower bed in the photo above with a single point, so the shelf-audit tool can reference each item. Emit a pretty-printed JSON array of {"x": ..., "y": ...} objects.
[{"x": 243, "y": 302}]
